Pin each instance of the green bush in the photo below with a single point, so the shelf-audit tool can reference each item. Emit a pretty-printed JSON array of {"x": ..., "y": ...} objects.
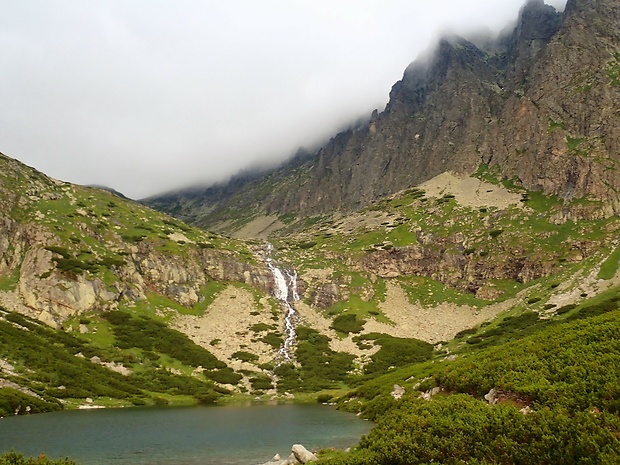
[
  {"x": 510, "y": 328},
  {"x": 110, "y": 262},
  {"x": 273, "y": 339},
  {"x": 50, "y": 358},
  {"x": 62, "y": 251},
  {"x": 260, "y": 327},
  {"x": 224, "y": 376},
  {"x": 347, "y": 323},
  {"x": 13, "y": 402},
  {"x": 245, "y": 356},
  {"x": 261, "y": 383},
  {"x": 152, "y": 335},
  {"x": 13, "y": 458},
  {"x": 461, "y": 430},
  {"x": 320, "y": 366},
  {"x": 394, "y": 352},
  {"x": 74, "y": 265}
]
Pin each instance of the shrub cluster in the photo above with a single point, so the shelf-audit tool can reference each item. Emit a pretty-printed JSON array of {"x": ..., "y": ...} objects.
[
  {"x": 347, "y": 323},
  {"x": 151, "y": 335},
  {"x": 460, "y": 430},
  {"x": 50, "y": 355},
  {"x": 568, "y": 374},
  {"x": 54, "y": 371},
  {"x": 13, "y": 458},
  {"x": 69, "y": 264},
  {"x": 394, "y": 352},
  {"x": 13, "y": 402},
  {"x": 320, "y": 366}
]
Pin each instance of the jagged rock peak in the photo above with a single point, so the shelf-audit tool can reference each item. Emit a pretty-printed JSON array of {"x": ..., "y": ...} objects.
[{"x": 537, "y": 21}]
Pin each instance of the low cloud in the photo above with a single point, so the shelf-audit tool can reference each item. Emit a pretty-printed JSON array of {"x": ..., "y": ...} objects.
[{"x": 148, "y": 96}]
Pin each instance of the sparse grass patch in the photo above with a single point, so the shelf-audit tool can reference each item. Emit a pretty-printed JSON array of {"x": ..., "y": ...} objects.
[
  {"x": 613, "y": 70},
  {"x": 610, "y": 266},
  {"x": 428, "y": 292},
  {"x": 9, "y": 281},
  {"x": 357, "y": 306}
]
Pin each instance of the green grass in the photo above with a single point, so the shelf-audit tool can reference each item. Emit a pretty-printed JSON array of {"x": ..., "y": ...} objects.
[
  {"x": 566, "y": 372},
  {"x": 428, "y": 292},
  {"x": 574, "y": 143},
  {"x": 9, "y": 281},
  {"x": 553, "y": 125},
  {"x": 401, "y": 236},
  {"x": 613, "y": 70},
  {"x": 610, "y": 266},
  {"x": 357, "y": 306}
]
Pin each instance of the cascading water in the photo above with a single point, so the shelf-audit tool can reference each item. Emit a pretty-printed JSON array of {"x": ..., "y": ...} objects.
[{"x": 285, "y": 291}]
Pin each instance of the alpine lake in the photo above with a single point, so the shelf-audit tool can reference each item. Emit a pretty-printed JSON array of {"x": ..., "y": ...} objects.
[{"x": 244, "y": 435}]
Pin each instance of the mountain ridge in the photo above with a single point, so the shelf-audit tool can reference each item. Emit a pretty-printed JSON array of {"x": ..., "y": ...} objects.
[{"x": 527, "y": 105}]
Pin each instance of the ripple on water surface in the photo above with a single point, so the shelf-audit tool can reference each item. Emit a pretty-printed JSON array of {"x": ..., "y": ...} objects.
[{"x": 184, "y": 436}]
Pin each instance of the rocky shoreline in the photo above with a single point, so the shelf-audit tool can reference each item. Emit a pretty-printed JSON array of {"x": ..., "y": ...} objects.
[{"x": 299, "y": 455}]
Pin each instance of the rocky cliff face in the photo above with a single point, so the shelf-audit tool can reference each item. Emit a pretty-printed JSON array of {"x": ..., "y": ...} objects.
[
  {"x": 539, "y": 105},
  {"x": 63, "y": 252},
  {"x": 559, "y": 132}
]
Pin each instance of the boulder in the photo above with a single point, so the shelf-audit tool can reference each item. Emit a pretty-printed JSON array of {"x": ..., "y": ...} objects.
[
  {"x": 492, "y": 396},
  {"x": 398, "y": 391},
  {"x": 303, "y": 455}
]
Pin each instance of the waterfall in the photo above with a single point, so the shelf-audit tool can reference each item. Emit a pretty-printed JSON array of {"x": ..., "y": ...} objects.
[{"x": 286, "y": 292}]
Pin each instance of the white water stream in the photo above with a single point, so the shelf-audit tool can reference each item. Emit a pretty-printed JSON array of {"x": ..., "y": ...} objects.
[{"x": 285, "y": 291}]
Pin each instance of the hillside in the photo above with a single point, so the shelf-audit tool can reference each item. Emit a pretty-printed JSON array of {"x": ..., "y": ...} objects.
[
  {"x": 544, "y": 397},
  {"x": 113, "y": 277},
  {"x": 539, "y": 104},
  {"x": 407, "y": 273}
]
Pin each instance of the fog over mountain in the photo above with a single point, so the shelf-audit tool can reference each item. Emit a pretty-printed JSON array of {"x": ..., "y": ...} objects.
[{"x": 146, "y": 97}]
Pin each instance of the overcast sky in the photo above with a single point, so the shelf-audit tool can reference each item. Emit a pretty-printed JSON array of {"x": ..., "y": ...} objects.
[{"x": 146, "y": 96}]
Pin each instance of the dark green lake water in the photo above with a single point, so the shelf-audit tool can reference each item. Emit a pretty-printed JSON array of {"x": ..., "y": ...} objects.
[{"x": 245, "y": 435}]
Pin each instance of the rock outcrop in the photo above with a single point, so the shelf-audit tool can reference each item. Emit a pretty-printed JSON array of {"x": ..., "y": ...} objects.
[{"x": 58, "y": 258}]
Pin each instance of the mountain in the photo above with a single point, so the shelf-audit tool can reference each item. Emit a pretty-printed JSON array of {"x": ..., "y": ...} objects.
[{"x": 537, "y": 105}]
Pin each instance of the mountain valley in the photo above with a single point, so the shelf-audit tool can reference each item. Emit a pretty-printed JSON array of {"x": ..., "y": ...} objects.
[{"x": 449, "y": 269}]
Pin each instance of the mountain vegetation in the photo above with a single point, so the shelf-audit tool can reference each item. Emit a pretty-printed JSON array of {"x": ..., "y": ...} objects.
[{"x": 456, "y": 262}]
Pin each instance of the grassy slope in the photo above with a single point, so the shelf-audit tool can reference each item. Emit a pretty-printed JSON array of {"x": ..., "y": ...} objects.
[
  {"x": 58, "y": 368},
  {"x": 95, "y": 228},
  {"x": 92, "y": 231},
  {"x": 565, "y": 373}
]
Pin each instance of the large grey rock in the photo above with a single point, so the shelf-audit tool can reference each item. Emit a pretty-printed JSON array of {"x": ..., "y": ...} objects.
[{"x": 303, "y": 455}]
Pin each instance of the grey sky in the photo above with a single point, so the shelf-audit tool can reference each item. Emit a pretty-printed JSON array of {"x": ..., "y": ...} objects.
[{"x": 149, "y": 95}]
